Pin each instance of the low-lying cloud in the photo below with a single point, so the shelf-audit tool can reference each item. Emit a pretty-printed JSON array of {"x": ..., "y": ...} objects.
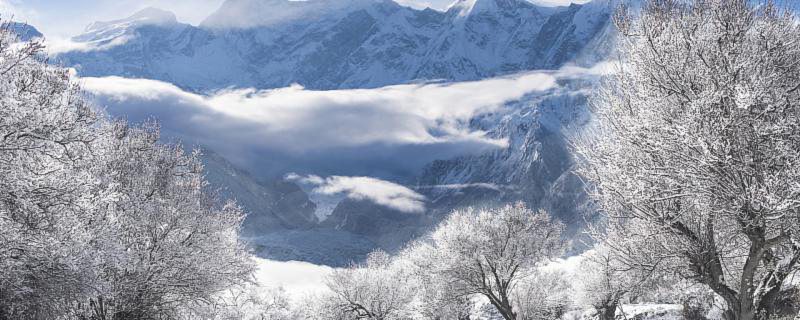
[
  {"x": 381, "y": 192},
  {"x": 388, "y": 131},
  {"x": 57, "y": 46}
]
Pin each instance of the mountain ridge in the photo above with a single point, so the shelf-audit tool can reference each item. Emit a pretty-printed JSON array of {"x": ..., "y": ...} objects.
[{"x": 362, "y": 44}]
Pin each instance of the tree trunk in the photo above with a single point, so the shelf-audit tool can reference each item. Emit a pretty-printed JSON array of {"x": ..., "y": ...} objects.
[
  {"x": 608, "y": 312},
  {"x": 502, "y": 304},
  {"x": 506, "y": 311},
  {"x": 503, "y": 307},
  {"x": 746, "y": 309}
]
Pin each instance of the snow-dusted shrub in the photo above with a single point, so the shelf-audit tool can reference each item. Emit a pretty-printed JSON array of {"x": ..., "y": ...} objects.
[{"x": 697, "y": 145}]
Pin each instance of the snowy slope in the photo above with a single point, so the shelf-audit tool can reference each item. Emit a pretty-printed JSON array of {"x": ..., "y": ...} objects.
[{"x": 327, "y": 44}]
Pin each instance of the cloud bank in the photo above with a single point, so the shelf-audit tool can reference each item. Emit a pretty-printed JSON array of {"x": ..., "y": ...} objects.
[
  {"x": 387, "y": 131},
  {"x": 381, "y": 192}
]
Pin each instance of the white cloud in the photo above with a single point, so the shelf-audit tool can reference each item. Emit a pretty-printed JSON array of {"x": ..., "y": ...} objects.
[
  {"x": 56, "y": 45},
  {"x": 384, "y": 132},
  {"x": 381, "y": 192},
  {"x": 394, "y": 128},
  {"x": 308, "y": 119}
]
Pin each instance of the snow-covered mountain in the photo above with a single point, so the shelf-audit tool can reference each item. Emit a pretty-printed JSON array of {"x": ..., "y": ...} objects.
[
  {"x": 24, "y": 31},
  {"x": 324, "y": 44},
  {"x": 537, "y": 168}
]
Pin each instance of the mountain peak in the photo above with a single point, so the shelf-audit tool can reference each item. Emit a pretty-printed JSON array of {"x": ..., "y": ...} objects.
[
  {"x": 146, "y": 16},
  {"x": 154, "y": 15},
  {"x": 24, "y": 31},
  {"x": 254, "y": 13},
  {"x": 470, "y": 7}
]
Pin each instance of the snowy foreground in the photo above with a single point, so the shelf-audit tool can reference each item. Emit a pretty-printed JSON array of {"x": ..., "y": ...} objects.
[{"x": 300, "y": 281}]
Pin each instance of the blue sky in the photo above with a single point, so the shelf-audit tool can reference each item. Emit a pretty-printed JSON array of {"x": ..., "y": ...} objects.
[{"x": 64, "y": 18}]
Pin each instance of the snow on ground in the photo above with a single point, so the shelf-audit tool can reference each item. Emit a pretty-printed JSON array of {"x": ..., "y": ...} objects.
[
  {"x": 634, "y": 312},
  {"x": 568, "y": 265},
  {"x": 651, "y": 311},
  {"x": 299, "y": 279}
]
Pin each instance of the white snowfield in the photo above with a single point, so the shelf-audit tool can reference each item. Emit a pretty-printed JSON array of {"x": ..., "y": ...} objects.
[{"x": 299, "y": 279}]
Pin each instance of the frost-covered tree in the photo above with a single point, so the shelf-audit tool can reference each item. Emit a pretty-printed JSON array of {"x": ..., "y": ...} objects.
[
  {"x": 321, "y": 306},
  {"x": 488, "y": 252},
  {"x": 491, "y": 254},
  {"x": 543, "y": 295},
  {"x": 376, "y": 290},
  {"x": 172, "y": 243},
  {"x": 696, "y": 159},
  {"x": 603, "y": 280},
  {"x": 46, "y": 194},
  {"x": 436, "y": 300},
  {"x": 97, "y": 219}
]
